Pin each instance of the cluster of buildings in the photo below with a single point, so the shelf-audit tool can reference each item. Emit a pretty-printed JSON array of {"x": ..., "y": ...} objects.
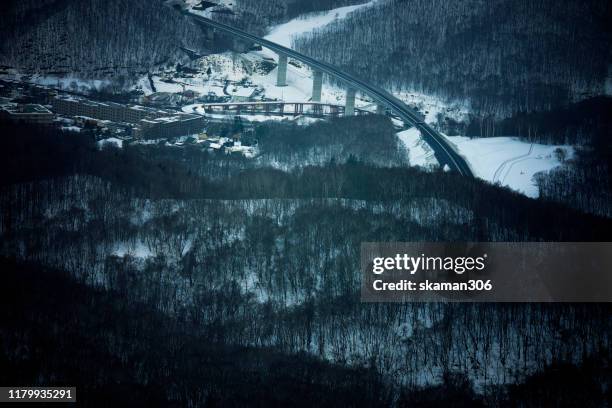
[
  {"x": 227, "y": 145},
  {"x": 30, "y": 113},
  {"x": 145, "y": 122},
  {"x": 117, "y": 121}
]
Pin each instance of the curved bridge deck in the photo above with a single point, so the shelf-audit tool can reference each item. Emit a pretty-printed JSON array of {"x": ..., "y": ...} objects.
[{"x": 444, "y": 151}]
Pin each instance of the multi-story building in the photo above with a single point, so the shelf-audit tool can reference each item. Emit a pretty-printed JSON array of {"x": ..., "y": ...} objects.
[
  {"x": 168, "y": 127},
  {"x": 116, "y": 112},
  {"x": 29, "y": 113},
  {"x": 150, "y": 123}
]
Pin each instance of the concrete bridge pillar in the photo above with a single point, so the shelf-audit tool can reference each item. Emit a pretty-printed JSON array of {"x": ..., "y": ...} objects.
[
  {"x": 349, "y": 109},
  {"x": 281, "y": 79},
  {"x": 317, "y": 85}
]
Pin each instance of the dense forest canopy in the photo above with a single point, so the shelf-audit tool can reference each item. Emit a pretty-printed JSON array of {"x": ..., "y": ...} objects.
[
  {"x": 257, "y": 16},
  {"x": 100, "y": 39},
  {"x": 232, "y": 277},
  {"x": 503, "y": 56},
  {"x": 191, "y": 277},
  {"x": 92, "y": 38}
]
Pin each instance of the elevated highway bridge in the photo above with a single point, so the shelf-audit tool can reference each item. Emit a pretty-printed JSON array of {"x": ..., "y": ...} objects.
[{"x": 444, "y": 151}]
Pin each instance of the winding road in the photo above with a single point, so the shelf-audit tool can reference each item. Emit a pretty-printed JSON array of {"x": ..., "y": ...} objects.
[{"x": 444, "y": 151}]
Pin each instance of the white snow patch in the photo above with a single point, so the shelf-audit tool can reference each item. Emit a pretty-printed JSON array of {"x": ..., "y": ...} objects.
[
  {"x": 138, "y": 250},
  {"x": 110, "y": 141},
  {"x": 509, "y": 161},
  {"x": 419, "y": 152},
  {"x": 431, "y": 106},
  {"x": 283, "y": 34},
  {"x": 220, "y": 5},
  {"x": 72, "y": 128}
]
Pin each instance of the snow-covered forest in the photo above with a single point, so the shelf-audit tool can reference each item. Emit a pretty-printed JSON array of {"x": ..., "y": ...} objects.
[
  {"x": 504, "y": 56},
  {"x": 93, "y": 38},
  {"x": 109, "y": 39},
  {"x": 237, "y": 257},
  {"x": 182, "y": 272},
  {"x": 256, "y": 16}
]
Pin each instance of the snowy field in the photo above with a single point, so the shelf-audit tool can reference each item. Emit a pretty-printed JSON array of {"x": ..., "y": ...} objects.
[{"x": 509, "y": 161}]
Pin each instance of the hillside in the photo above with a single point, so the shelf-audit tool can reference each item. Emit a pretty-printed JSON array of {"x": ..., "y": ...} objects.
[
  {"x": 256, "y": 15},
  {"x": 503, "y": 56},
  {"x": 92, "y": 38},
  {"x": 211, "y": 250}
]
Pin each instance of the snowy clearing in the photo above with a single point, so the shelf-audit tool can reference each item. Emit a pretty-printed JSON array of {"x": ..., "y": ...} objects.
[
  {"x": 419, "y": 152},
  {"x": 283, "y": 34},
  {"x": 432, "y": 106},
  {"x": 509, "y": 161},
  {"x": 110, "y": 141}
]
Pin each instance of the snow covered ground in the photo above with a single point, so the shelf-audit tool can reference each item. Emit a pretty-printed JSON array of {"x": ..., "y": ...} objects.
[
  {"x": 284, "y": 34},
  {"x": 509, "y": 161},
  {"x": 138, "y": 250},
  {"x": 432, "y": 106},
  {"x": 110, "y": 141},
  {"x": 419, "y": 152},
  {"x": 71, "y": 128},
  {"x": 221, "y": 4},
  {"x": 67, "y": 83}
]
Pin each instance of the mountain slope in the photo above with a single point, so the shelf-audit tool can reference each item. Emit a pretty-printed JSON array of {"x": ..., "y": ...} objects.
[
  {"x": 502, "y": 55},
  {"x": 257, "y": 15},
  {"x": 93, "y": 38}
]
